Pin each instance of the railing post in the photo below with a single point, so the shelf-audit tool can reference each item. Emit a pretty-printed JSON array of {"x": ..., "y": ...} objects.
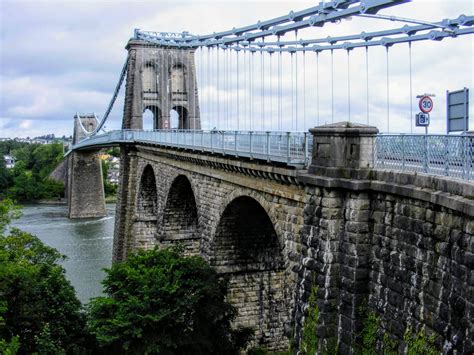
[
  {"x": 288, "y": 158},
  {"x": 425, "y": 153},
  {"x": 223, "y": 142},
  {"x": 235, "y": 143},
  {"x": 202, "y": 140},
  {"x": 446, "y": 157},
  {"x": 267, "y": 145},
  {"x": 305, "y": 147},
  {"x": 466, "y": 157},
  {"x": 469, "y": 148},
  {"x": 212, "y": 141},
  {"x": 403, "y": 153},
  {"x": 194, "y": 138},
  {"x": 250, "y": 139}
]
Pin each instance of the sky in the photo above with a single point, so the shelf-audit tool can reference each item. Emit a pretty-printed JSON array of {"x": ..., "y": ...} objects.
[{"x": 62, "y": 57}]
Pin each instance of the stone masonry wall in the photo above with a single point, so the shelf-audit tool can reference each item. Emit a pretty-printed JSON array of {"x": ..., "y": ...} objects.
[
  {"x": 367, "y": 249},
  {"x": 408, "y": 261},
  {"x": 262, "y": 291}
]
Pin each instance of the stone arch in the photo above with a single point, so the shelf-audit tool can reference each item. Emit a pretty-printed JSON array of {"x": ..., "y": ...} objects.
[
  {"x": 246, "y": 250},
  {"x": 156, "y": 119},
  {"x": 178, "y": 78},
  {"x": 144, "y": 226},
  {"x": 180, "y": 221},
  {"x": 267, "y": 206},
  {"x": 149, "y": 78},
  {"x": 183, "y": 122}
]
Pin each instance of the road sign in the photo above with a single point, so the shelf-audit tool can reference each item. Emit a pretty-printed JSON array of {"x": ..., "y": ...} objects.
[
  {"x": 457, "y": 110},
  {"x": 422, "y": 119},
  {"x": 426, "y": 104}
]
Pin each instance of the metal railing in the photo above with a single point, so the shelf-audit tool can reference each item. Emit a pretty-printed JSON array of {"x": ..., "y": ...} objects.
[
  {"x": 432, "y": 154},
  {"x": 290, "y": 148}
]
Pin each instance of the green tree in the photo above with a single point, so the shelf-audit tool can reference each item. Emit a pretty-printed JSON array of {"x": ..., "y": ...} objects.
[
  {"x": 160, "y": 302},
  {"x": 45, "y": 158},
  {"x": 29, "y": 180},
  {"x": 39, "y": 310},
  {"x": 109, "y": 188}
]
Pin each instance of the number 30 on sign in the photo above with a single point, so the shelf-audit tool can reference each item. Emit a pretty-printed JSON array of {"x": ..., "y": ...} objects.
[{"x": 426, "y": 104}]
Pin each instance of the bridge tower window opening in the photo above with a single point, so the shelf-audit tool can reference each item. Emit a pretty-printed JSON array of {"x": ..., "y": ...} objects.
[
  {"x": 246, "y": 249},
  {"x": 179, "y": 118},
  {"x": 152, "y": 118},
  {"x": 149, "y": 79},
  {"x": 178, "y": 79}
]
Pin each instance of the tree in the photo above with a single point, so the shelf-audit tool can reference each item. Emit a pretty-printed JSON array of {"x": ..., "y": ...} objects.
[
  {"x": 109, "y": 188},
  {"x": 29, "y": 179},
  {"x": 160, "y": 302},
  {"x": 39, "y": 311}
]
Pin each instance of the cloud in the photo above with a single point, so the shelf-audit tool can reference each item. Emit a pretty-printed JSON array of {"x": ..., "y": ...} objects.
[{"x": 57, "y": 58}]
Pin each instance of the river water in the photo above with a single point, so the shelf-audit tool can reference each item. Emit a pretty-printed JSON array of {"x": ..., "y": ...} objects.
[{"x": 87, "y": 243}]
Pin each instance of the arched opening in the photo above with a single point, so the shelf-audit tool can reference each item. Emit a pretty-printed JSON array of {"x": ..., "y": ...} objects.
[
  {"x": 180, "y": 218},
  {"x": 152, "y": 118},
  {"x": 174, "y": 119},
  {"x": 179, "y": 117},
  {"x": 178, "y": 79},
  {"x": 246, "y": 249},
  {"x": 149, "y": 79},
  {"x": 144, "y": 226}
]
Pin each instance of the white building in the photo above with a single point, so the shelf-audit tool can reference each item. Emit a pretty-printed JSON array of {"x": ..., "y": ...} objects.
[{"x": 9, "y": 161}]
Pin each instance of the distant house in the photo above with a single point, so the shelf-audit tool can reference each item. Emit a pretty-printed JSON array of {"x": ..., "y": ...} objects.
[{"x": 9, "y": 161}]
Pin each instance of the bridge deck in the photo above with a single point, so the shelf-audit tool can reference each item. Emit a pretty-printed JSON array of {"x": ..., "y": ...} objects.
[
  {"x": 432, "y": 154},
  {"x": 289, "y": 148}
]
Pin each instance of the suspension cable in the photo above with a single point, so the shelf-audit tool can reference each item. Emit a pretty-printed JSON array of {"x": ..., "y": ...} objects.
[
  {"x": 271, "y": 93},
  {"x": 317, "y": 84},
  {"x": 388, "y": 93},
  {"x": 367, "y": 80},
  {"x": 218, "y": 115},
  {"x": 296, "y": 83},
  {"x": 348, "y": 86},
  {"x": 304, "y": 91},
  {"x": 279, "y": 92},
  {"x": 238, "y": 93},
  {"x": 292, "y": 94},
  {"x": 411, "y": 89},
  {"x": 262, "y": 94},
  {"x": 332, "y": 86}
]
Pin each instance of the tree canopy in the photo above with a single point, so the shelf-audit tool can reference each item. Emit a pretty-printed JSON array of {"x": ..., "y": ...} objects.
[
  {"x": 39, "y": 311},
  {"x": 29, "y": 179},
  {"x": 160, "y": 302}
]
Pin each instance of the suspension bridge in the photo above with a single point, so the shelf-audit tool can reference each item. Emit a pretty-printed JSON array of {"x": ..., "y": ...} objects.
[{"x": 232, "y": 171}]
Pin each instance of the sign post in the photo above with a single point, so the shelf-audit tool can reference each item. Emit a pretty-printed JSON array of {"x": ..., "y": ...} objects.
[{"x": 426, "y": 105}]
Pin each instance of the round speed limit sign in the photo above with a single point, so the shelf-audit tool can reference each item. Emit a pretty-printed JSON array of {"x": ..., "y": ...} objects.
[{"x": 426, "y": 104}]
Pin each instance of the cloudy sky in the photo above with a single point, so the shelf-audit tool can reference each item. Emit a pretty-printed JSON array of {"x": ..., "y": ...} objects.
[{"x": 60, "y": 57}]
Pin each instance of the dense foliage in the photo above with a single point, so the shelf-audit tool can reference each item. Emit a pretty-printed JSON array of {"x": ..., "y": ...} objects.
[
  {"x": 39, "y": 311},
  {"x": 28, "y": 180},
  {"x": 160, "y": 302},
  {"x": 109, "y": 188},
  {"x": 156, "y": 302}
]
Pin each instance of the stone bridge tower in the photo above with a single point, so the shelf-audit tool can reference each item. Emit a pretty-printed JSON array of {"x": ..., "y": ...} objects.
[
  {"x": 84, "y": 186},
  {"x": 160, "y": 79}
]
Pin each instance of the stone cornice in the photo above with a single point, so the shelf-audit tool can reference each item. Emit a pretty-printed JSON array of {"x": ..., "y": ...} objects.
[
  {"x": 457, "y": 195},
  {"x": 253, "y": 168}
]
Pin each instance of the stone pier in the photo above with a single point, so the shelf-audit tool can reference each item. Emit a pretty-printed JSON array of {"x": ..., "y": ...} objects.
[{"x": 85, "y": 188}]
